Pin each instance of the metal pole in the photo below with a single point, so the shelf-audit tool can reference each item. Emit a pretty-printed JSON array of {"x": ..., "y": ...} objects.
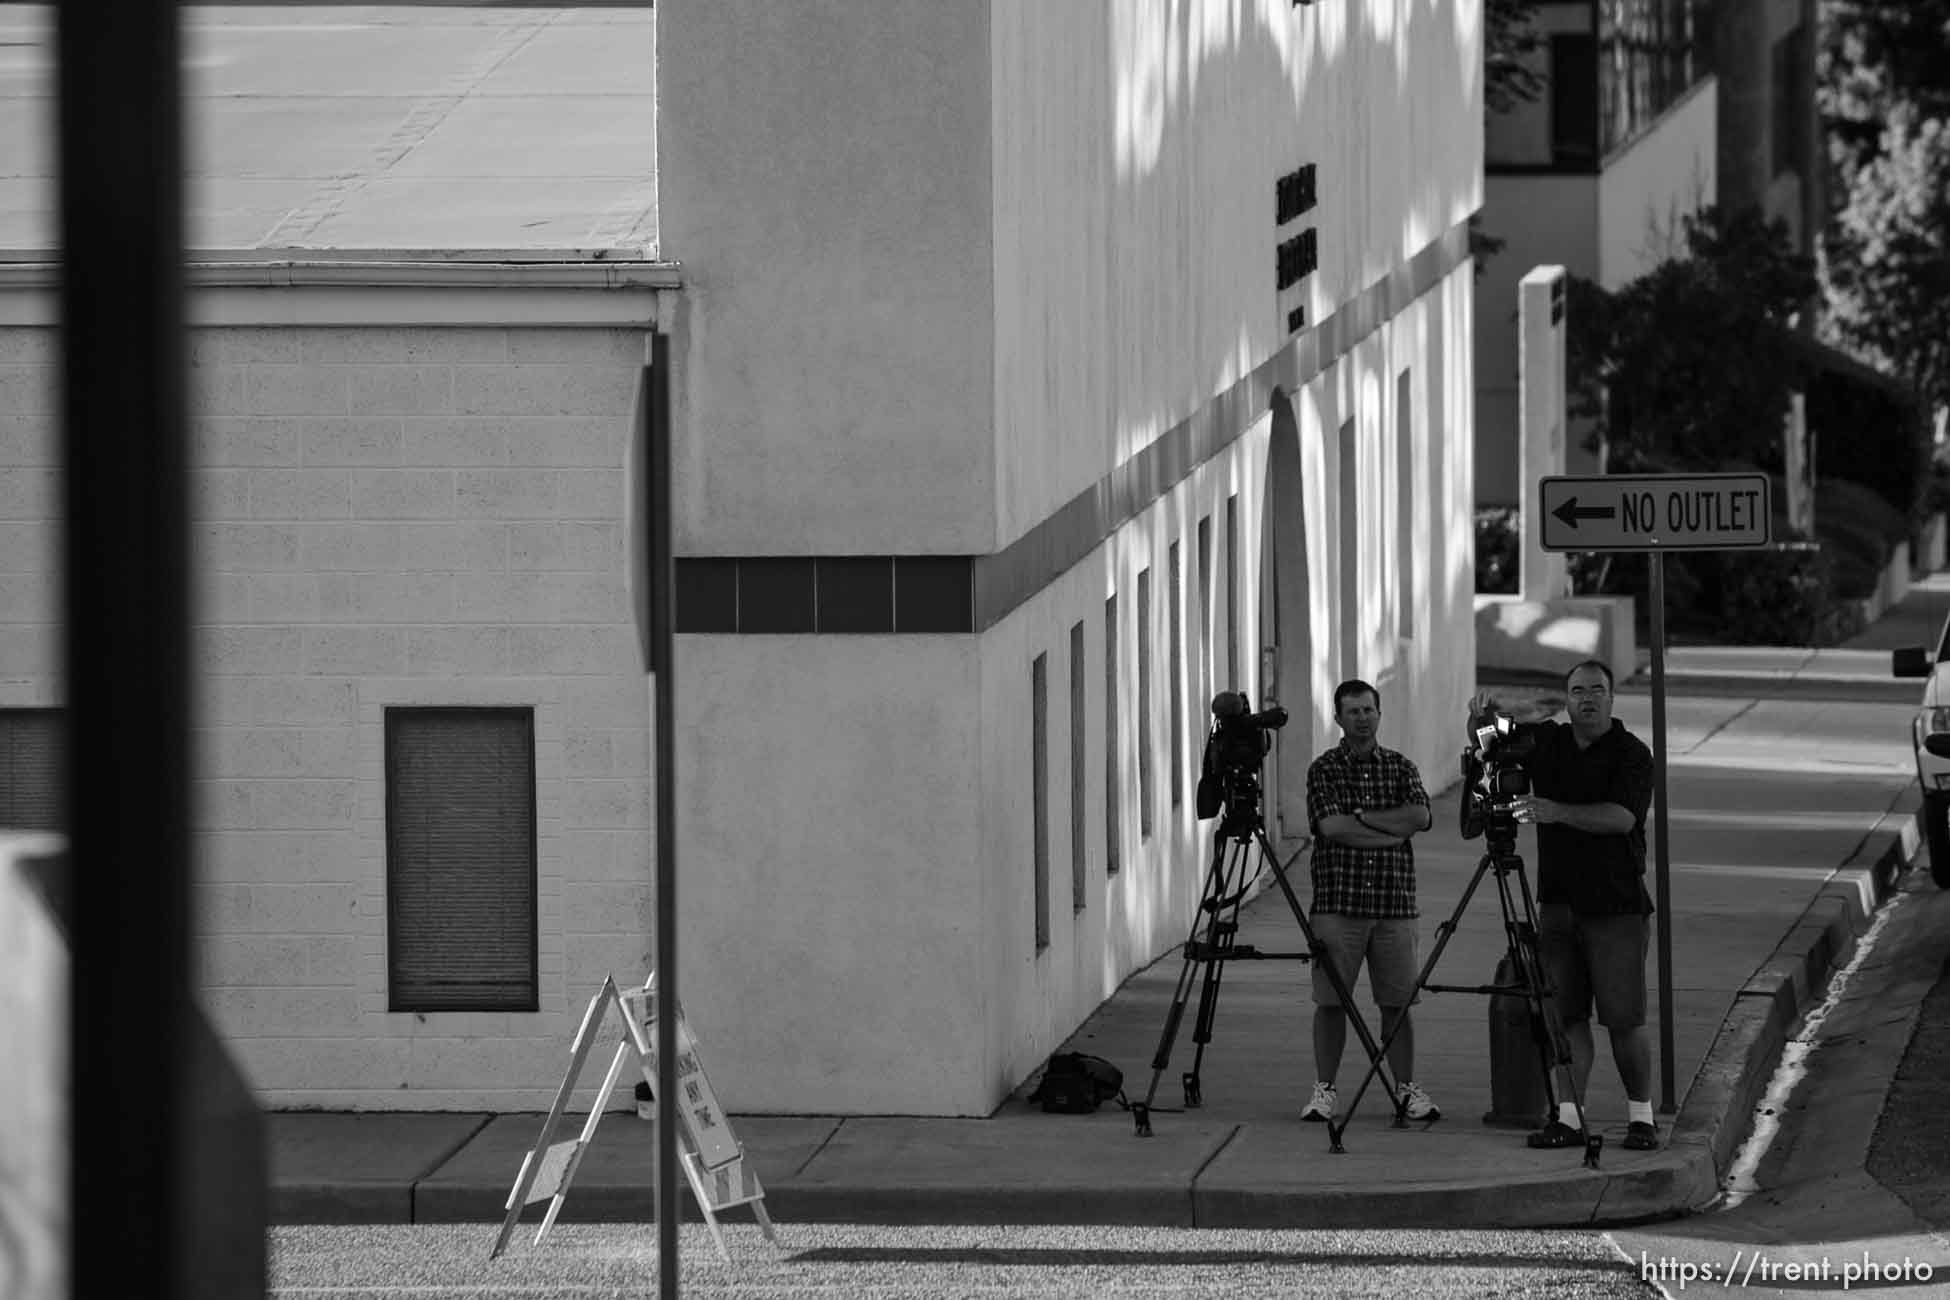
[
  {"x": 1662, "y": 873},
  {"x": 662, "y": 620},
  {"x": 125, "y": 591}
]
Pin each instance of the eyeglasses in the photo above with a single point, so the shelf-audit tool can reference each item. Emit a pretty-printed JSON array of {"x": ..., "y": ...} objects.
[{"x": 1581, "y": 692}]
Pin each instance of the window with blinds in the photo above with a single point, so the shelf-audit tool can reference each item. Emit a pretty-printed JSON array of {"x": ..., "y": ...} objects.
[
  {"x": 31, "y": 754},
  {"x": 460, "y": 859}
]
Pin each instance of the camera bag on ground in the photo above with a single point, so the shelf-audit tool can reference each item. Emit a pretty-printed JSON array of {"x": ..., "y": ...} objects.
[{"x": 1076, "y": 1084}]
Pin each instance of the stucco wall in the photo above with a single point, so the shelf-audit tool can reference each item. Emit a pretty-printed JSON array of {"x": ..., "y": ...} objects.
[
  {"x": 832, "y": 873},
  {"x": 1129, "y": 919},
  {"x": 824, "y": 181},
  {"x": 382, "y": 516},
  {"x": 1650, "y": 185},
  {"x": 1136, "y": 151},
  {"x": 856, "y": 824}
]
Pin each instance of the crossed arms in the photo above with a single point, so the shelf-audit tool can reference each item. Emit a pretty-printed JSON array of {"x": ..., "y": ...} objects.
[{"x": 1386, "y": 827}]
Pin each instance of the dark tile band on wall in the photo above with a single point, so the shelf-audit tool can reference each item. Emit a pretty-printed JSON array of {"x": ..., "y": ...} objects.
[
  {"x": 1011, "y": 576},
  {"x": 854, "y": 595},
  {"x": 836, "y": 595}
]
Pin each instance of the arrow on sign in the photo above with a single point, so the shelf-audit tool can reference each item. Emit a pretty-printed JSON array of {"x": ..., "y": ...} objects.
[{"x": 1570, "y": 512}]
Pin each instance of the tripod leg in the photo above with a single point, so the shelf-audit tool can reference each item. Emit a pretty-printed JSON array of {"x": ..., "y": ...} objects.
[
  {"x": 1443, "y": 933},
  {"x": 1334, "y": 978},
  {"x": 1553, "y": 1047},
  {"x": 1214, "y": 889},
  {"x": 1223, "y": 932}
]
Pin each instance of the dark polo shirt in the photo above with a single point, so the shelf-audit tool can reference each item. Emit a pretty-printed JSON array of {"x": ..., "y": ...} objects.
[{"x": 1602, "y": 874}]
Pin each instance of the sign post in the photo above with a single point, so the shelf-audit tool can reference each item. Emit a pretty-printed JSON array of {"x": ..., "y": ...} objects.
[{"x": 1656, "y": 513}]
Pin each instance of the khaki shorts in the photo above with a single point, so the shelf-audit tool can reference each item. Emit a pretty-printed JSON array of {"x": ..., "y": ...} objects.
[
  {"x": 1591, "y": 958},
  {"x": 1387, "y": 943}
]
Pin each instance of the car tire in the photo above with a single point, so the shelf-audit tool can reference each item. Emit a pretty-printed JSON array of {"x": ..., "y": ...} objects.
[{"x": 1936, "y": 832}]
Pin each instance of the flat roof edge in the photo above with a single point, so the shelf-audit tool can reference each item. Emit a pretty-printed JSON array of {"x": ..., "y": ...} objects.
[
  {"x": 305, "y": 253},
  {"x": 40, "y": 271}
]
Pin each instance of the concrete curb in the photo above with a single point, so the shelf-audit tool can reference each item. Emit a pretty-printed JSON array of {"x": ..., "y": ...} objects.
[{"x": 1715, "y": 1118}]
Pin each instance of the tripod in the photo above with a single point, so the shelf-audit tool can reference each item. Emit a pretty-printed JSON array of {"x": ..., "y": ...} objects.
[
  {"x": 1532, "y": 983},
  {"x": 1226, "y": 883}
]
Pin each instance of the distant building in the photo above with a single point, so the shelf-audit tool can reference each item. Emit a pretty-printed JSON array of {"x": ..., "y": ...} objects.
[
  {"x": 1651, "y": 109},
  {"x": 1596, "y": 176},
  {"x": 1771, "y": 153},
  {"x": 1037, "y": 371}
]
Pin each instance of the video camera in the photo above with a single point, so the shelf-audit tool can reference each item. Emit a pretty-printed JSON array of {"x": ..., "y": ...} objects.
[
  {"x": 1234, "y": 751},
  {"x": 1493, "y": 778}
]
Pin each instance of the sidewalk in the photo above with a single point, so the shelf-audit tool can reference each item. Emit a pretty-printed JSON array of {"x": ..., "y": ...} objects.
[
  {"x": 1751, "y": 937},
  {"x": 1859, "y": 668}
]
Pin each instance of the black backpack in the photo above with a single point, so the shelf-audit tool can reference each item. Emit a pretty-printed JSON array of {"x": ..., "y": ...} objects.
[{"x": 1076, "y": 1084}]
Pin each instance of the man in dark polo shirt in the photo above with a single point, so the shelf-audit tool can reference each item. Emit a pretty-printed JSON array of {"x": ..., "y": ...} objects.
[
  {"x": 1591, "y": 782},
  {"x": 1364, "y": 801}
]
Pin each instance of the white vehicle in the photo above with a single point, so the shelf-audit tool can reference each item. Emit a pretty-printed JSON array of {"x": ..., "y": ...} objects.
[{"x": 1930, "y": 736}]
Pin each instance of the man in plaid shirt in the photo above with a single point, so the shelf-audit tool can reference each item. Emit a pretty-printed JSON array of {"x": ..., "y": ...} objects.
[{"x": 1363, "y": 803}]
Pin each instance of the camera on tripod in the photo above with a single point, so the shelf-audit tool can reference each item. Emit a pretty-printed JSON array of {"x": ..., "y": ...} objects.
[
  {"x": 1234, "y": 752},
  {"x": 1493, "y": 779}
]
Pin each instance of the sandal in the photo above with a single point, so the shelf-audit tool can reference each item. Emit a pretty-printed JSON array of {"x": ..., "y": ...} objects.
[{"x": 1555, "y": 1136}]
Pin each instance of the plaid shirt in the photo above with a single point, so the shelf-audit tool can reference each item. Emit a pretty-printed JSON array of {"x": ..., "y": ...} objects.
[{"x": 1352, "y": 881}]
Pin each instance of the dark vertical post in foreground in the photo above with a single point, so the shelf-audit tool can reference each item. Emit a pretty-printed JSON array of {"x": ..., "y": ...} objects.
[
  {"x": 662, "y": 622},
  {"x": 1661, "y": 861},
  {"x": 126, "y": 622}
]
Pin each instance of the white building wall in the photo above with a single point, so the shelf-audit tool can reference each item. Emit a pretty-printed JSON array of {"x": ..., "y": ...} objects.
[
  {"x": 866, "y": 364},
  {"x": 1647, "y": 188},
  {"x": 381, "y": 516},
  {"x": 1136, "y": 147},
  {"x": 832, "y": 882},
  {"x": 1036, "y": 998},
  {"x": 823, "y": 173}
]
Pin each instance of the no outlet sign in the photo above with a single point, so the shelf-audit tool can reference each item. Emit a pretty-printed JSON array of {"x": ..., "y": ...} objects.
[{"x": 1655, "y": 512}]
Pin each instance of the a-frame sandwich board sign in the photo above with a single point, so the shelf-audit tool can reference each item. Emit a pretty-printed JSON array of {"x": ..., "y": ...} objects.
[{"x": 713, "y": 1160}]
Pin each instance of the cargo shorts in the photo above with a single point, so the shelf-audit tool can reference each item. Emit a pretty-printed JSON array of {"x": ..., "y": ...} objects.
[
  {"x": 1591, "y": 957},
  {"x": 1386, "y": 943}
]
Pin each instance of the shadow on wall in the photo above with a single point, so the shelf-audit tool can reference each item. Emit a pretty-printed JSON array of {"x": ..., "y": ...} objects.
[{"x": 1164, "y": 55}]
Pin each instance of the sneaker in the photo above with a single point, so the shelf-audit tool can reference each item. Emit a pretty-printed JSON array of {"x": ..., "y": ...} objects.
[
  {"x": 1554, "y": 1136},
  {"x": 1418, "y": 1104},
  {"x": 1641, "y": 1136},
  {"x": 1320, "y": 1106}
]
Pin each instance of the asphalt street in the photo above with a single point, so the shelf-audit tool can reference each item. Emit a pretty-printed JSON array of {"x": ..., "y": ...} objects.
[
  {"x": 1853, "y": 1192},
  {"x": 1910, "y": 1154},
  {"x": 580, "y": 1262}
]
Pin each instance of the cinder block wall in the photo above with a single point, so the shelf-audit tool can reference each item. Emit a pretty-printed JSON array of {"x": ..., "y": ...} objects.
[{"x": 383, "y": 516}]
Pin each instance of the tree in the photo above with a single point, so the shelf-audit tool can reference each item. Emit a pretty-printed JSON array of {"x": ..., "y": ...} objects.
[
  {"x": 1875, "y": 55},
  {"x": 1510, "y": 41},
  {"x": 1690, "y": 367},
  {"x": 1886, "y": 256}
]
